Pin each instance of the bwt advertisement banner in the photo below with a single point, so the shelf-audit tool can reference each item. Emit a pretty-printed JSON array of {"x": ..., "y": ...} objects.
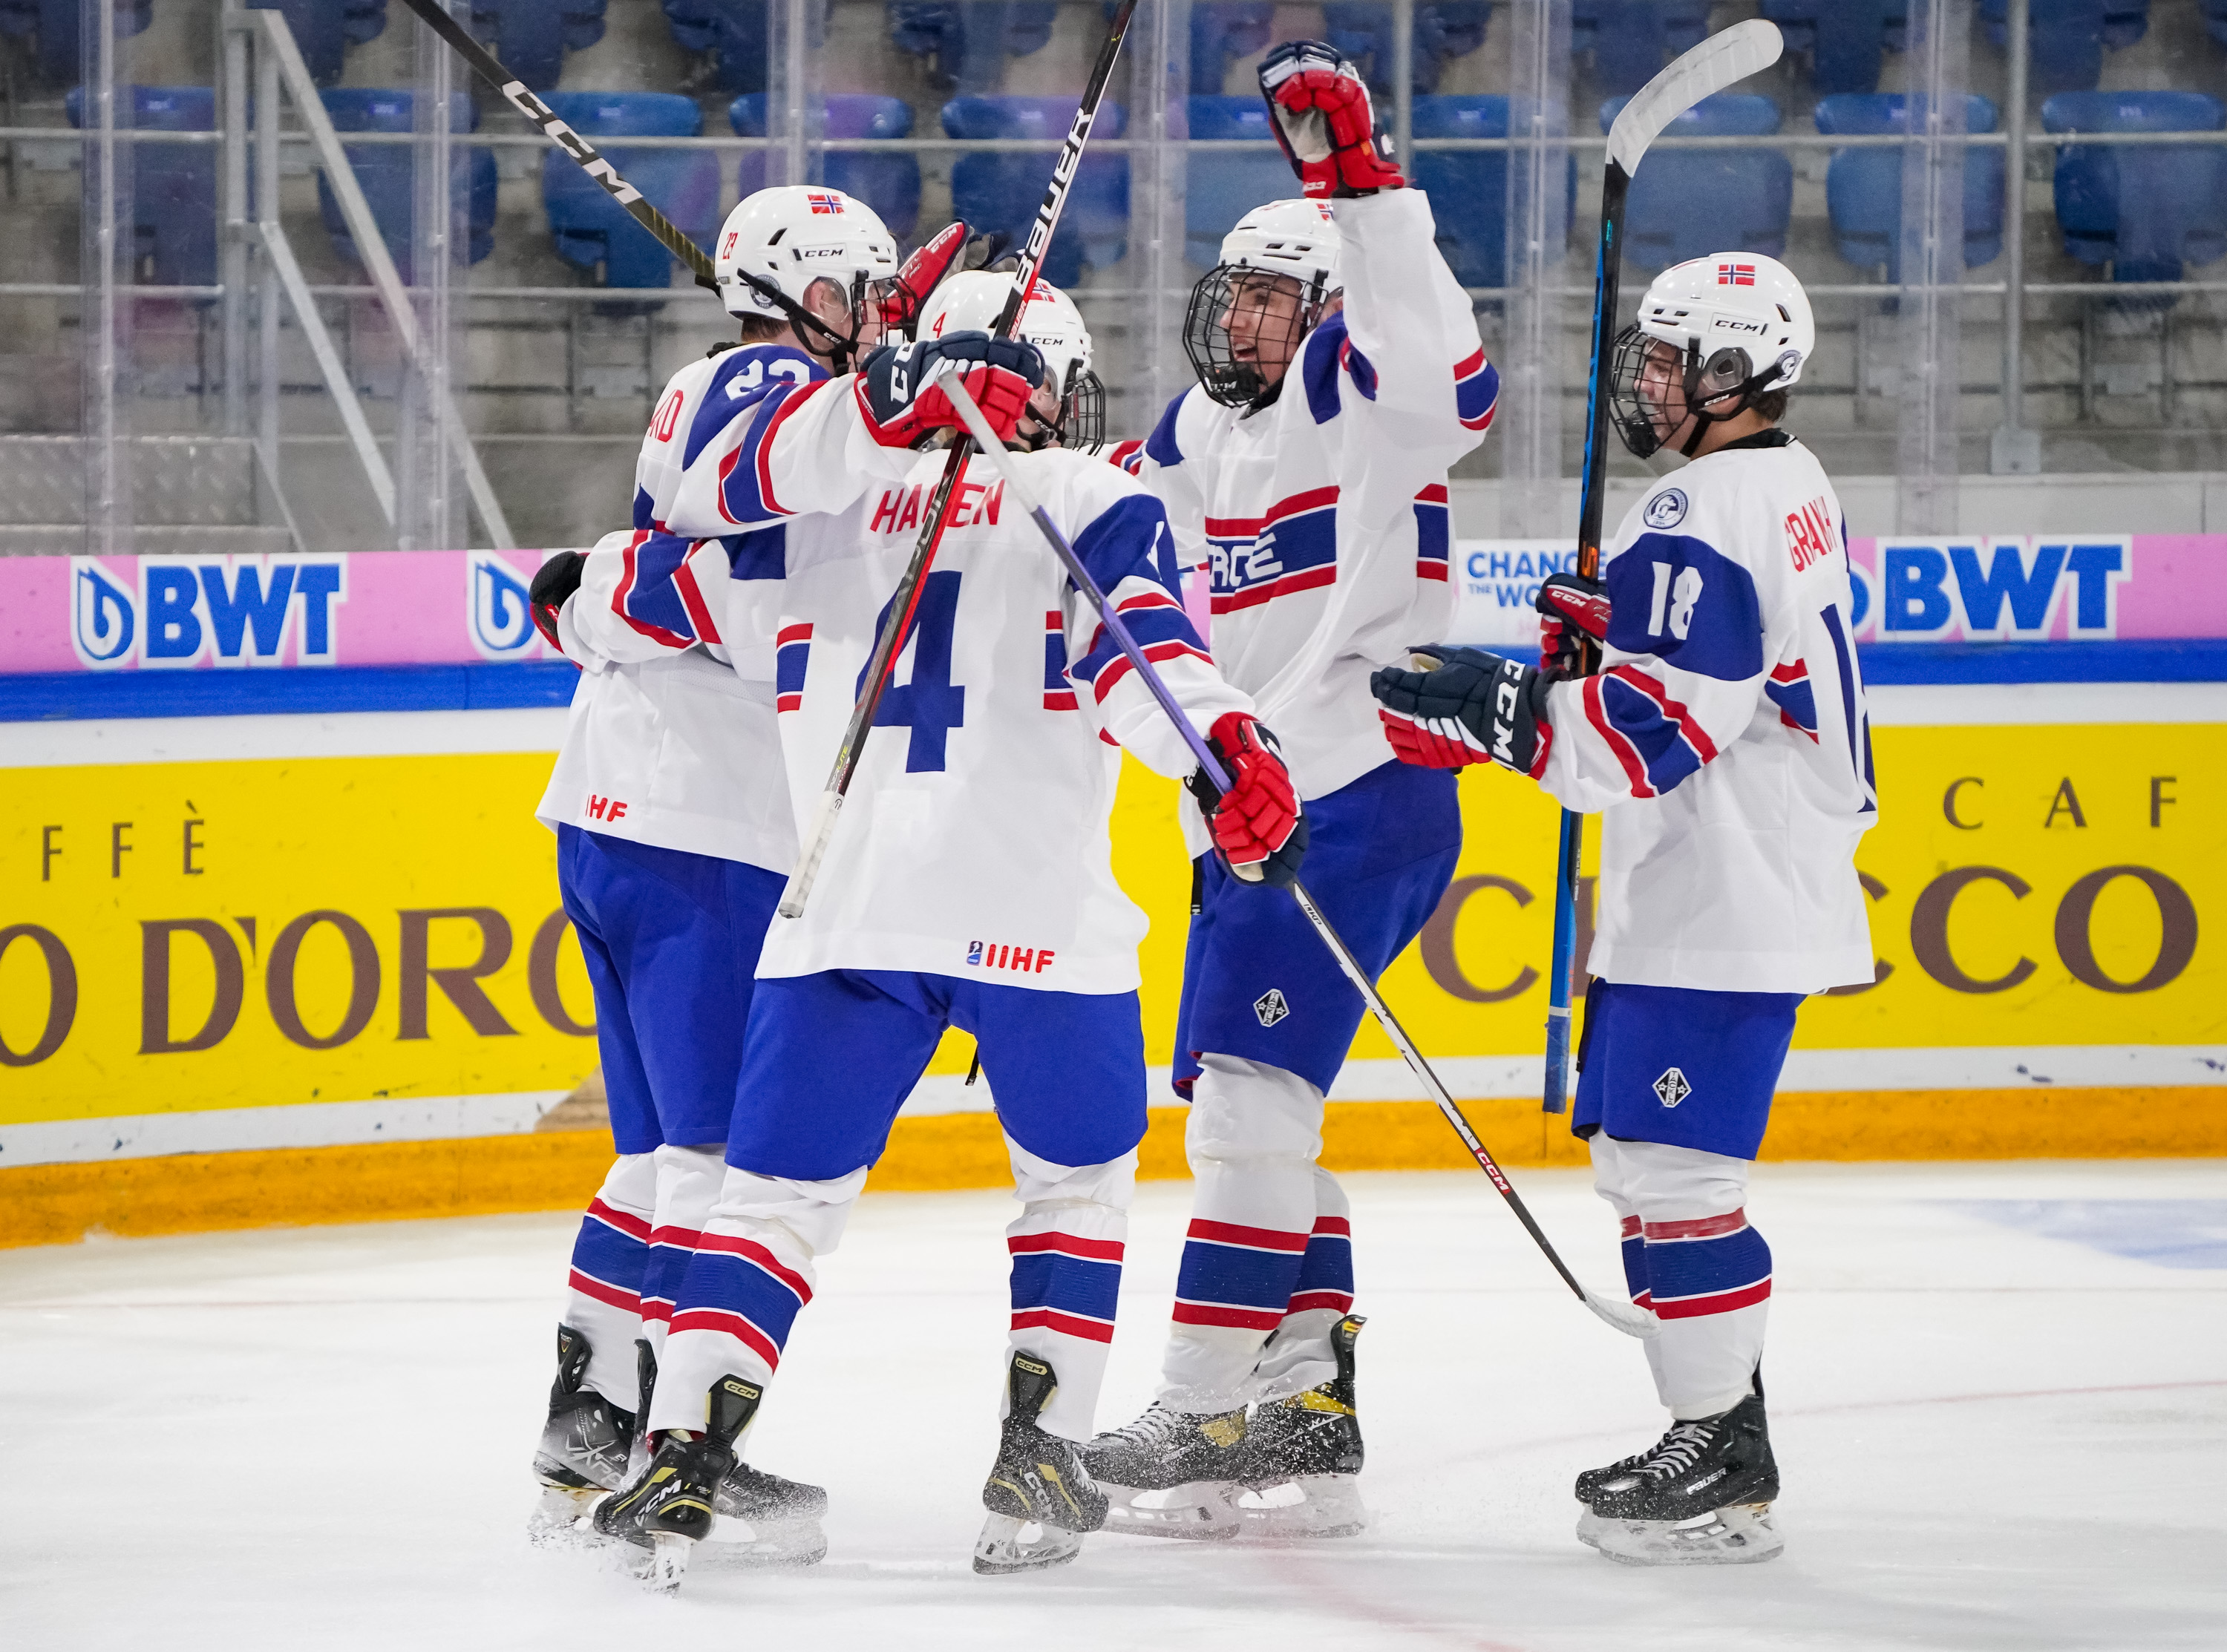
[{"x": 2023, "y": 588}]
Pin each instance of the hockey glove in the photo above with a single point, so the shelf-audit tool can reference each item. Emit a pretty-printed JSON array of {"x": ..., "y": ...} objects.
[
  {"x": 1572, "y": 624},
  {"x": 1258, "y": 825},
  {"x": 1320, "y": 108},
  {"x": 950, "y": 250},
  {"x": 555, "y": 581},
  {"x": 901, "y": 407},
  {"x": 1472, "y": 707}
]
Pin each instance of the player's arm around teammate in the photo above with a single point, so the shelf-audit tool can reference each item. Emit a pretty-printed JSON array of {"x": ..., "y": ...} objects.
[
  {"x": 1340, "y": 375},
  {"x": 1726, "y": 744}
]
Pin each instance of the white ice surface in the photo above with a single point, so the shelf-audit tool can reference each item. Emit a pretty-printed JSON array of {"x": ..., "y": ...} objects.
[{"x": 319, "y": 1438}]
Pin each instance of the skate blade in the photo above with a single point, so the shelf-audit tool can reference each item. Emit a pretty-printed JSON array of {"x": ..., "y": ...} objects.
[
  {"x": 1311, "y": 1509},
  {"x": 666, "y": 1563},
  {"x": 1200, "y": 1512},
  {"x": 559, "y": 1517},
  {"x": 1742, "y": 1535},
  {"x": 747, "y": 1545},
  {"x": 1008, "y": 1545}
]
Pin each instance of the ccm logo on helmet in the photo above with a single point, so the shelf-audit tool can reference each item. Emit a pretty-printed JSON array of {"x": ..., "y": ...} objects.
[{"x": 1733, "y": 324}]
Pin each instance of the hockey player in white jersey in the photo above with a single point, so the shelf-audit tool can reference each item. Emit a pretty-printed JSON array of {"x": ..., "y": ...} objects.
[
  {"x": 1341, "y": 374},
  {"x": 675, "y": 838},
  {"x": 1726, "y": 745},
  {"x": 968, "y": 883}
]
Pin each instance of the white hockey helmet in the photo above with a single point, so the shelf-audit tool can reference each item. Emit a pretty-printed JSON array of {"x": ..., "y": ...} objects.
[
  {"x": 1297, "y": 239},
  {"x": 1741, "y": 326},
  {"x": 972, "y": 302},
  {"x": 780, "y": 241}
]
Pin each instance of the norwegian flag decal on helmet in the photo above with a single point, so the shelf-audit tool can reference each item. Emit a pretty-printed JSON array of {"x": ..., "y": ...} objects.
[
  {"x": 827, "y": 203},
  {"x": 1736, "y": 275}
]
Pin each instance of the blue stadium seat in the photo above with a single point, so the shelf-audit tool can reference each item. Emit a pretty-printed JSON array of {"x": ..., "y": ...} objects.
[
  {"x": 532, "y": 36},
  {"x": 1863, "y": 186},
  {"x": 970, "y": 42},
  {"x": 1469, "y": 189},
  {"x": 55, "y": 23},
  {"x": 386, "y": 172},
  {"x": 173, "y": 186},
  {"x": 1219, "y": 190},
  {"x": 1002, "y": 192},
  {"x": 1630, "y": 40},
  {"x": 739, "y": 31},
  {"x": 2147, "y": 211},
  {"x": 1222, "y": 31},
  {"x": 888, "y": 183},
  {"x": 1687, "y": 204},
  {"x": 2215, "y": 20},
  {"x": 2067, "y": 38},
  {"x": 1362, "y": 32},
  {"x": 592, "y": 230},
  {"x": 321, "y": 29},
  {"x": 1843, "y": 38}
]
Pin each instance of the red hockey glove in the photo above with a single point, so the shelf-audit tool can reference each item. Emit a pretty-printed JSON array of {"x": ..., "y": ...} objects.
[
  {"x": 901, "y": 407},
  {"x": 554, "y": 582},
  {"x": 1258, "y": 825},
  {"x": 1471, "y": 707},
  {"x": 951, "y": 249},
  {"x": 1323, "y": 120},
  {"x": 1574, "y": 613}
]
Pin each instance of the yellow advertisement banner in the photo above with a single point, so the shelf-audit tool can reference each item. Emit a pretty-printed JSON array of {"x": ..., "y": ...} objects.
[{"x": 178, "y": 937}]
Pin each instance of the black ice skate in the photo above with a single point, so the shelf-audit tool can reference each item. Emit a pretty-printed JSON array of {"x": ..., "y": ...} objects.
[
  {"x": 583, "y": 1446},
  {"x": 1041, "y": 1498},
  {"x": 1303, "y": 1457},
  {"x": 1171, "y": 1473},
  {"x": 670, "y": 1506},
  {"x": 783, "y": 1517},
  {"x": 1701, "y": 1497}
]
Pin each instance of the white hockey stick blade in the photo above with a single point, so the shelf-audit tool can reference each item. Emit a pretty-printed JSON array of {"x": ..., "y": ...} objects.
[
  {"x": 1726, "y": 58},
  {"x": 811, "y": 852},
  {"x": 1627, "y": 1317}
]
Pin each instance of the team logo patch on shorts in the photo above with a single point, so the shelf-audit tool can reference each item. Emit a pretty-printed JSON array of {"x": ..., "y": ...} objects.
[
  {"x": 1666, "y": 509},
  {"x": 1270, "y": 1007},
  {"x": 1672, "y": 1088}
]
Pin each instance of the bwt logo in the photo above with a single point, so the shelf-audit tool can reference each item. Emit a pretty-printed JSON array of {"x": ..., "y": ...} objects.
[
  {"x": 1993, "y": 589},
  {"x": 232, "y": 610},
  {"x": 498, "y": 607}
]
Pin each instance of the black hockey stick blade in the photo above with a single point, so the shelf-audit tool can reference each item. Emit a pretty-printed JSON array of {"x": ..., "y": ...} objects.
[{"x": 489, "y": 68}]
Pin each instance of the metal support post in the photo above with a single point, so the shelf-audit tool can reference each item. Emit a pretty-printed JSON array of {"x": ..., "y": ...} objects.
[
  {"x": 267, "y": 294},
  {"x": 231, "y": 267},
  {"x": 2014, "y": 450},
  {"x": 1403, "y": 84},
  {"x": 1538, "y": 232},
  {"x": 1928, "y": 457},
  {"x": 103, "y": 313},
  {"x": 1159, "y": 47}
]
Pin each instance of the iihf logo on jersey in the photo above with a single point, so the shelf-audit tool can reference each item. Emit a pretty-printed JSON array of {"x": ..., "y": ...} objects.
[
  {"x": 989, "y": 954},
  {"x": 1672, "y": 1088},
  {"x": 1271, "y": 1006}
]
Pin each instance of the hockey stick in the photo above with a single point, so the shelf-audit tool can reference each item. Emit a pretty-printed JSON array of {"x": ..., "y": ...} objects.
[
  {"x": 1716, "y": 63},
  {"x": 1627, "y": 1317},
  {"x": 814, "y": 848}
]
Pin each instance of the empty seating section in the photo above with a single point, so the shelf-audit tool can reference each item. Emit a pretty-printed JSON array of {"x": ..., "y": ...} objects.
[
  {"x": 54, "y": 26},
  {"x": 388, "y": 175},
  {"x": 738, "y": 32},
  {"x": 968, "y": 41},
  {"x": 1627, "y": 41},
  {"x": 532, "y": 36},
  {"x": 1845, "y": 40},
  {"x": 1863, "y": 186},
  {"x": 888, "y": 183},
  {"x": 1363, "y": 32},
  {"x": 325, "y": 29},
  {"x": 1222, "y": 31},
  {"x": 2067, "y": 38},
  {"x": 593, "y": 231},
  {"x": 1469, "y": 189},
  {"x": 1220, "y": 188},
  {"x": 2145, "y": 210},
  {"x": 1688, "y": 203},
  {"x": 1001, "y": 191},
  {"x": 2215, "y": 20},
  {"x": 170, "y": 187}
]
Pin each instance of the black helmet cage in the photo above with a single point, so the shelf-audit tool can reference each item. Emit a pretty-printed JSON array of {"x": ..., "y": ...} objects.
[
  {"x": 1728, "y": 373},
  {"x": 1206, "y": 333}
]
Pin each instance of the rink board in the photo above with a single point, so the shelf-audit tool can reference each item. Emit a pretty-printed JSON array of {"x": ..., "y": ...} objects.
[{"x": 226, "y": 961}]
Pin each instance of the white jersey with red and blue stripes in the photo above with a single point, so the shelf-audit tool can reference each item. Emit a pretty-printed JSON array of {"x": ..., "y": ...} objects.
[
  {"x": 1726, "y": 741},
  {"x": 1322, "y": 519}
]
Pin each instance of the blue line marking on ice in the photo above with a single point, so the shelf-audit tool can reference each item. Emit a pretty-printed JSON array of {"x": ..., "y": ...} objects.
[{"x": 2171, "y": 1233}]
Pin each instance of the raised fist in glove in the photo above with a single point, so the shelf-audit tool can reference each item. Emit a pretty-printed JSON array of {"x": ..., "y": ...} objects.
[
  {"x": 554, "y": 582},
  {"x": 902, "y": 405},
  {"x": 1320, "y": 108},
  {"x": 1469, "y": 707},
  {"x": 1258, "y": 825},
  {"x": 1573, "y": 622}
]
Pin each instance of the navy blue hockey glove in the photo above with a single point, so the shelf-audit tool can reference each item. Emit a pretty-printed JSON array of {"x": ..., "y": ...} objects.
[
  {"x": 1572, "y": 624},
  {"x": 901, "y": 407},
  {"x": 1471, "y": 707},
  {"x": 1258, "y": 824},
  {"x": 555, "y": 581}
]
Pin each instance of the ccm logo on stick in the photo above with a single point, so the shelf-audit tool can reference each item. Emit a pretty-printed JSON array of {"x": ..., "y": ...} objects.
[
  {"x": 990, "y": 955},
  {"x": 605, "y": 809}
]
